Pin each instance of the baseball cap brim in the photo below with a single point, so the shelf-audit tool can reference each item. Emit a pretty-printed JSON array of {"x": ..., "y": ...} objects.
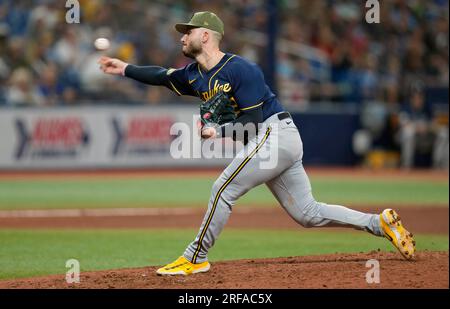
[{"x": 184, "y": 28}]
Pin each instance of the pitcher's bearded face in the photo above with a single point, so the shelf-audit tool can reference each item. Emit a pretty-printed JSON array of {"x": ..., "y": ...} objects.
[
  {"x": 192, "y": 45},
  {"x": 192, "y": 49}
]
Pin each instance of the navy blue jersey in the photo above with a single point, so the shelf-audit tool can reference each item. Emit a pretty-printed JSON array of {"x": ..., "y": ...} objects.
[{"x": 240, "y": 78}]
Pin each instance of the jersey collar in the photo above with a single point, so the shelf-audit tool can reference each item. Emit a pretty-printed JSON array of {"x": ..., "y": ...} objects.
[{"x": 218, "y": 65}]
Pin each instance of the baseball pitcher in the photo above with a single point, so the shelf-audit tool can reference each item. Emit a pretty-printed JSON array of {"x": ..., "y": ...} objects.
[{"x": 234, "y": 92}]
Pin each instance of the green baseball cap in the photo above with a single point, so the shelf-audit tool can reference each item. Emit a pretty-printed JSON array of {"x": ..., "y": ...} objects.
[{"x": 207, "y": 20}]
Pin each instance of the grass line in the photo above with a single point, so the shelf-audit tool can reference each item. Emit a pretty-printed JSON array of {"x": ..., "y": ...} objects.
[{"x": 48, "y": 194}]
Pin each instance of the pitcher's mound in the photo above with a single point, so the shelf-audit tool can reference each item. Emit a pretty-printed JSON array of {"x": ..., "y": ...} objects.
[{"x": 428, "y": 270}]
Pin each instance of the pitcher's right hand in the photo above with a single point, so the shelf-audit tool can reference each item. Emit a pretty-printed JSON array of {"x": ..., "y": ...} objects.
[{"x": 112, "y": 65}]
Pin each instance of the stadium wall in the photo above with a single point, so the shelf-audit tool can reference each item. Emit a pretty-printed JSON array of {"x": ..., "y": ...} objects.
[{"x": 128, "y": 137}]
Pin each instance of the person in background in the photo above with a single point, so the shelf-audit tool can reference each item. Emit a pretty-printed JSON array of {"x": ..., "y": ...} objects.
[{"x": 422, "y": 141}]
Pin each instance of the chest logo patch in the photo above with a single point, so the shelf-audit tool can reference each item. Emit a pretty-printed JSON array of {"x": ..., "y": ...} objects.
[{"x": 217, "y": 87}]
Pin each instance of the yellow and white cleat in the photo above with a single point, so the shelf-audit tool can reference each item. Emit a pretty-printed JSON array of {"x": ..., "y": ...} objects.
[
  {"x": 183, "y": 267},
  {"x": 397, "y": 234}
]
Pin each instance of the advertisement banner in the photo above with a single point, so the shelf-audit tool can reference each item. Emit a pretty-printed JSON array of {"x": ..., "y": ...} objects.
[{"x": 100, "y": 137}]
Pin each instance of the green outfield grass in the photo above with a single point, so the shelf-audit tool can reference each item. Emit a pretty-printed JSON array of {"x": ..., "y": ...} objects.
[
  {"x": 26, "y": 253},
  {"x": 176, "y": 192}
]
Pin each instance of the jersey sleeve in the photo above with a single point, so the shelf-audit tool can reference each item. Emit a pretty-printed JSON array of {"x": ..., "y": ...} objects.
[
  {"x": 179, "y": 81},
  {"x": 249, "y": 85}
]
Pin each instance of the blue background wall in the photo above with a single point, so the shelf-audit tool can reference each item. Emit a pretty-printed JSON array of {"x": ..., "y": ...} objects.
[{"x": 327, "y": 137}]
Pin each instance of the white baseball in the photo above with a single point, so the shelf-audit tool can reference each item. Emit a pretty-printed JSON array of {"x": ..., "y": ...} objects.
[{"x": 101, "y": 44}]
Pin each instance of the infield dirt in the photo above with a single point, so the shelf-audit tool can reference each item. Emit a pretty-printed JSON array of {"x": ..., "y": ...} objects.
[{"x": 428, "y": 270}]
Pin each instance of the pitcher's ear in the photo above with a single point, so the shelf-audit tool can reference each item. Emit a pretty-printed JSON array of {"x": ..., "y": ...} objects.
[{"x": 205, "y": 36}]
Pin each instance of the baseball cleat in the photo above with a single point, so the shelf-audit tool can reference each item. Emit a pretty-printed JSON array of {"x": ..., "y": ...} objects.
[
  {"x": 183, "y": 267},
  {"x": 397, "y": 234}
]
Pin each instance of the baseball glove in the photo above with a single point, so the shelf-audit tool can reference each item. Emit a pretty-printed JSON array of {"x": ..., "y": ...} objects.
[{"x": 217, "y": 110}]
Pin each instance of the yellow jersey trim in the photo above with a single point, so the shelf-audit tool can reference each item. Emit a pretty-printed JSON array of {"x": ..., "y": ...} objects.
[
  {"x": 174, "y": 88},
  {"x": 250, "y": 107},
  {"x": 199, "y": 71},
  {"x": 210, "y": 79}
]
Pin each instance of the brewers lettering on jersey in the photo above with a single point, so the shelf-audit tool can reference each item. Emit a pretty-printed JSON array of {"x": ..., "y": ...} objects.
[{"x": 212, "y": 71}]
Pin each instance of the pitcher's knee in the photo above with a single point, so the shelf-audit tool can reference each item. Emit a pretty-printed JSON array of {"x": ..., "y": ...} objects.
[
  {"x": 304, "y": 221},
  {"x": 225, "y": 195},
  {"x": 217, "y": 185},
  {"x": 307, "y": 215}
]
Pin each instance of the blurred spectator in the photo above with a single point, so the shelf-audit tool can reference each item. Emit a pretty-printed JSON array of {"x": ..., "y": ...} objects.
[
  {"x": 15, "y": 53},
  {"x": 68, "y": 50},
  {"x": 338, "y": 57},
  {"x": 51, "y": 87},
  {"x": 47, "y": 13},
  {"x": 423, "y": 142},
  {"x": 21, "y": 90}
]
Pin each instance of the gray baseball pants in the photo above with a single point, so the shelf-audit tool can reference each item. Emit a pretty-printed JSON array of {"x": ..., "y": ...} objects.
[{"x": 273, "y": 157}]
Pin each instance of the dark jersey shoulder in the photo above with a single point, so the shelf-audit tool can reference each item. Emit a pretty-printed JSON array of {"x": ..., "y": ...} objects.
[
  {"x": 250, "y": 88},
  {"x": 180, "y": 79}
]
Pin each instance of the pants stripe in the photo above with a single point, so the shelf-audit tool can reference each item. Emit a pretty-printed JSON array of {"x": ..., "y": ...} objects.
[{"x": 222, "y": 188}]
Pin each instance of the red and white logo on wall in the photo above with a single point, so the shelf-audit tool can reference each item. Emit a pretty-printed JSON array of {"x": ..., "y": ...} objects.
[
  {"x": 142, "y": 135},
  {"x": 51, "y": 137}
]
